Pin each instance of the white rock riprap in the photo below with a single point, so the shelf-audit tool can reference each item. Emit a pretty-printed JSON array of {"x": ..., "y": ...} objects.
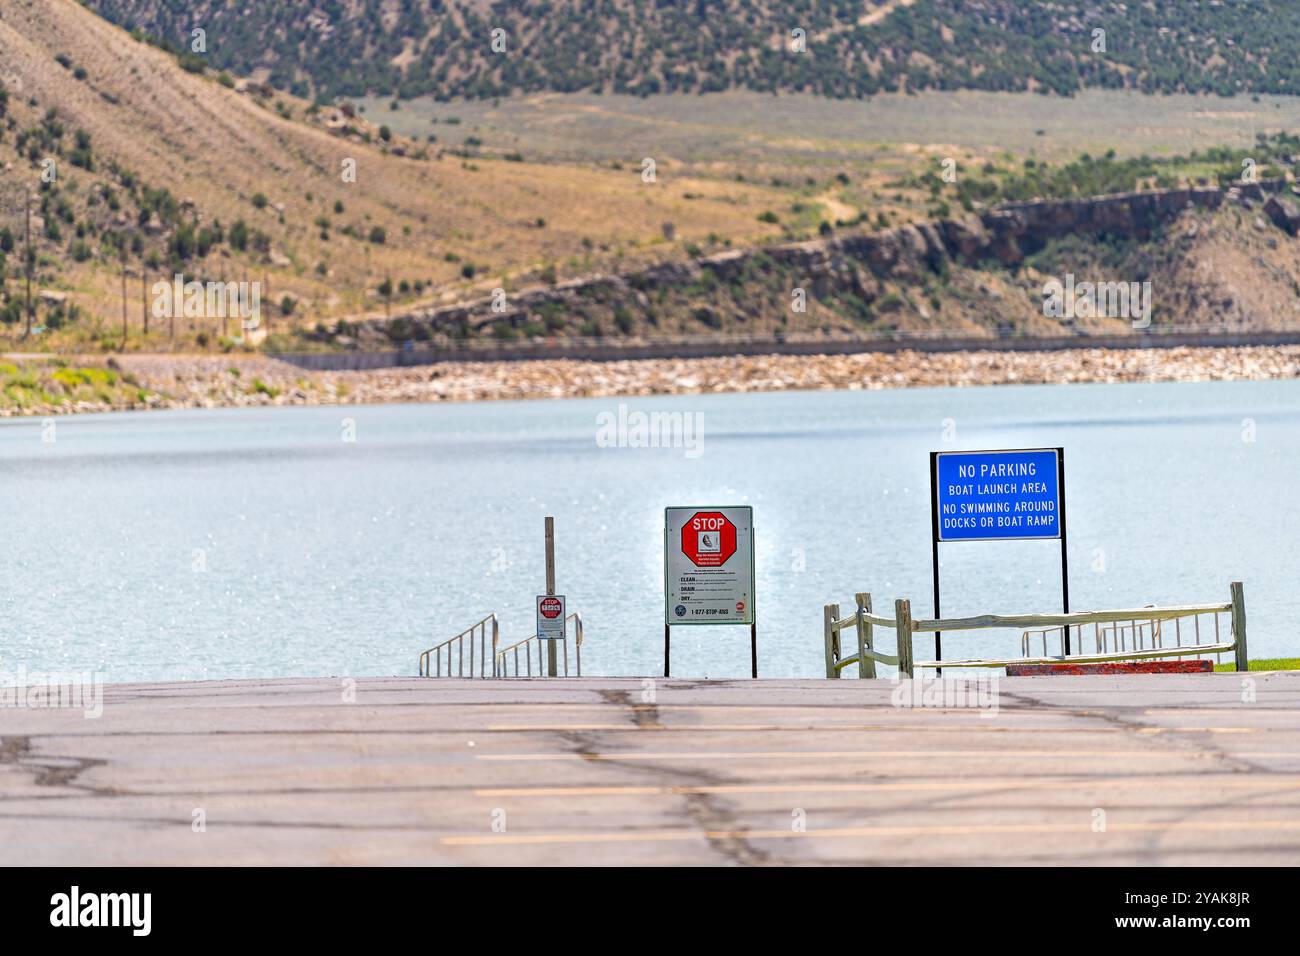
[{"x": 202, "y": 381}]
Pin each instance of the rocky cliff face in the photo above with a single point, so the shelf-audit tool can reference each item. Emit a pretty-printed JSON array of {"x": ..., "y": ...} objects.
[{"x": 857, "y": 265}]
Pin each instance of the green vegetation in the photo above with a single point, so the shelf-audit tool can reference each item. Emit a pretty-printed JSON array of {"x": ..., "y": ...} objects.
[
  {"x": 647, "y": 47},
  {"x": 1271, "y": 664},
  {"x": 30, "y": 386},
  {"x": 1102, "y": 175},
  {"x": 86, "y": 225}
]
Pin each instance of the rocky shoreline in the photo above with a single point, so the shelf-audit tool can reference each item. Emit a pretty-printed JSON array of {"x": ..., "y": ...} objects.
[{"x": 201, "y": 381}]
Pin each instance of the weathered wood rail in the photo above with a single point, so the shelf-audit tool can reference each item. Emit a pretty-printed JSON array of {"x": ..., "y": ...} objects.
[{"x": 865, "y": 626}]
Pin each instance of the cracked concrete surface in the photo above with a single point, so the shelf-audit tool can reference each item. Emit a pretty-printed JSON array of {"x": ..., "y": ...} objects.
[{"x": 1085, "y": 770}]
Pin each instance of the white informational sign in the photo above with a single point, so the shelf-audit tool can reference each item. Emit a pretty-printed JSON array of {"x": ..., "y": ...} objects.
[
  {"x": 551, "y": 625},
  {"x": 709, "y": 565}
]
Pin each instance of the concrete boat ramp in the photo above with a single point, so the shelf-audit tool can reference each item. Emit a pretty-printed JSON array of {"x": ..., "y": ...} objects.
[{"x": 1196, "y": 769}]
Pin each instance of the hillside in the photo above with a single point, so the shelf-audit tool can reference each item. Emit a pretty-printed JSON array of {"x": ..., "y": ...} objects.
[
  {"x": 1215, "y": 259},
  {"x": 854, "y": 48},
  {"x": 451, "y": 230},
  {"x": 188, "y": 170}
]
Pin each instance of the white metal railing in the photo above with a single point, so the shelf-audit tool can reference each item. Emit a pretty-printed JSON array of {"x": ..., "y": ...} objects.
[
  {"x": 1146, "y": 636},
  {"x": 1136, "y": 635},
  {"x": 508, "y": 657},
  {"x": 431, "y": 660}
]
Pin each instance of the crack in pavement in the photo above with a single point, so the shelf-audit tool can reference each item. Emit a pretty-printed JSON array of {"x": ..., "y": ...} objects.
[
  {"x": 52, "y": 770},
  {"x": 643, "y": 715},
  {"x": 1177, "y": 737},
  {"x": 711, "y": 814},
  {"x": 1150, "y": 850}
]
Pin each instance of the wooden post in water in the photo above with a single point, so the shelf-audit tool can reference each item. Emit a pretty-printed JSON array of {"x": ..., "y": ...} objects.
[
  {"x": 550, "y": 589},
  {"x": 1239, "y": 625}
]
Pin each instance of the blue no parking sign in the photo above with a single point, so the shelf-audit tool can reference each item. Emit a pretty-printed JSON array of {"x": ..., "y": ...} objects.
[
  {"x": 998, "y": 495},
  {"x": 1011, "y": 495}
]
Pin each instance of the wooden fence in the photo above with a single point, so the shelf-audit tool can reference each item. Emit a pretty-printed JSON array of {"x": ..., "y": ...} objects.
[{"x": 1147, "y": 625}]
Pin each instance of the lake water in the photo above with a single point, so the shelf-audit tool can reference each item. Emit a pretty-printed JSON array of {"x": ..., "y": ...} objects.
[{"x": 259, "y": 543}]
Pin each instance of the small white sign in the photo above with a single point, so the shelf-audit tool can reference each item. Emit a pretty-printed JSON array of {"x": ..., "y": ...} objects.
[
  {"x": 709, "y": 565},
  {"x": 551, "y": 615}
]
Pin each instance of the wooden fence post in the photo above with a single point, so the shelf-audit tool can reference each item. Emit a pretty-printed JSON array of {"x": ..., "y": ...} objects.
[
  {"x": 1239, "y": 625},
  {"x": 830, "y": 614},
  {"x": 903, "y": 624},
  {"x": 866, "y": 665}
]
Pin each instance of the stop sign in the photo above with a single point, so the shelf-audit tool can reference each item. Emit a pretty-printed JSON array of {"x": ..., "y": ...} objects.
[
  {"x": 708, "y": 539},
  {"x": 550, "y": 608}
]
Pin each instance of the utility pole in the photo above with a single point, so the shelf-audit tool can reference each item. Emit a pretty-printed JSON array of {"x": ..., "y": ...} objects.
[
  {"x": 30, "y": 261},
  {"x": 121, "y": 249}
]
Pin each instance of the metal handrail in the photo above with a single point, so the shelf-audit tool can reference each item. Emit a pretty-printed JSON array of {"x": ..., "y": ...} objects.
[
  {"x": 1074, "y": 617},
  {"x": 432, "y": 666},
  {"x": 500, "y": 660},
  {"x": 1139, "y": 634},
  {"x": 1149, "y": 654}
]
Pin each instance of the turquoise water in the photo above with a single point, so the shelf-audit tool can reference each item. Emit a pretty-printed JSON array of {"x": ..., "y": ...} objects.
[{"x": 259, "y": 543}]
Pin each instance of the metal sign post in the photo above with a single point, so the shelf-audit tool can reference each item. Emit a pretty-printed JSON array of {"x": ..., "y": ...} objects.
[
  {"x": 709, "y": 572},
  {"x": 934, "y": 552},
  {"x": 1014, "y": 494},
  {"x": 551, "y": 670}
]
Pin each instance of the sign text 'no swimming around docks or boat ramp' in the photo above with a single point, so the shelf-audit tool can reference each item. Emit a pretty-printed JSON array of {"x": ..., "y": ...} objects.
[
  {"x": 1009, "y": 495},
  {"x": 998, "y": 495}
]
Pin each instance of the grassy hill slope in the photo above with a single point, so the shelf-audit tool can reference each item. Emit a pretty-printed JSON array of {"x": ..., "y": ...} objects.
[
  {"x": 167, "y": 165},
  {"x": 187, "y": 173}
]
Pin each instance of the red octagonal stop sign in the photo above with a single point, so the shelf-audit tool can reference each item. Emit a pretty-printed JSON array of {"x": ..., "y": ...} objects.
[
  {"x": 550, "y": 608},
  {"x": 708, "y": 539}
]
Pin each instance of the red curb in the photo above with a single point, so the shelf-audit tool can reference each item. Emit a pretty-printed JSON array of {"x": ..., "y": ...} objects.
[{"x": 1134, "y": 667}]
